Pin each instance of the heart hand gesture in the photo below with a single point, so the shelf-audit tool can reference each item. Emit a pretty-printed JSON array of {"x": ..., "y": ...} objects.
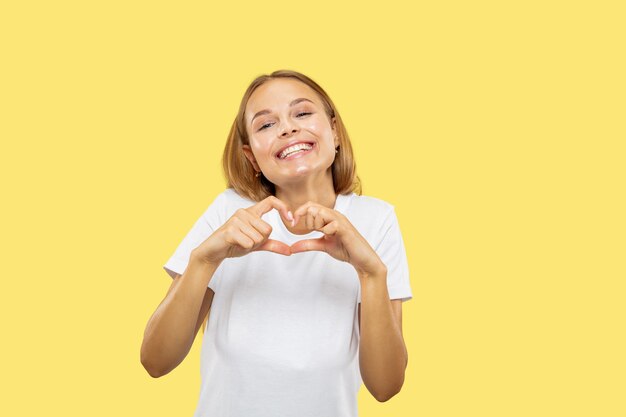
[
  {"x": 244, "y": 232},
  {"x": 341, "y": 240}
]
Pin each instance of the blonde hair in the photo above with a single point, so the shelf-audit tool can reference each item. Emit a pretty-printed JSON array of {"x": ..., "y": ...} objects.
[{"x": 240, "y": 173}]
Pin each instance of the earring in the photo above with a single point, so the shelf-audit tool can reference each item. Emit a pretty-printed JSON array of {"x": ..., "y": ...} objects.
[
  {"x": 337, "y": 149},
  {"x": 258, "y": 174}
]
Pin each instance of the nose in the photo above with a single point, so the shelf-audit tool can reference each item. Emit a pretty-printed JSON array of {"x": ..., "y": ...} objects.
[{"x": 287, "y": 128}]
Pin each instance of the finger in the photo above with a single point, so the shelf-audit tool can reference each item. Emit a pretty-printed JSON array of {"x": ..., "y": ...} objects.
[
  {"x": 316, "y": 217},
  {"x": 259, "y": 224},
  {"x": 326, "y": 214},
  {"x": 309, "y": 216},
  {"x": 309, "y": 221},
  {"x": 269, "y": 203},
  {"x": 301, "y": 211},
  {"x": 247, "y": 229},
  {"x": 318, "y": 222},
  {"x": 243, "y": 240},
  {"x": 306, "y": 245},
  {"x": 275, "y": 246},
  {"x": 330, "y": 229}
]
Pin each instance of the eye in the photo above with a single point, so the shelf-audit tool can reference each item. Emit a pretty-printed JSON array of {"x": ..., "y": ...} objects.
[
  {"x": 304, "y": 113},
  {"x": 264, "y": 126}
]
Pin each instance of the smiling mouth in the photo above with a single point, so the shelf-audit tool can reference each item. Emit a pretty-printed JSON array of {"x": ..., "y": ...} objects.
[{"x": 300, "y": 150}]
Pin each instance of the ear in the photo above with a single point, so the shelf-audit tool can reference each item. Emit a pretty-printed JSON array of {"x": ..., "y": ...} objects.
[
  {"x": 334, "y": 129},
  {"x": 248, "y": 152}
]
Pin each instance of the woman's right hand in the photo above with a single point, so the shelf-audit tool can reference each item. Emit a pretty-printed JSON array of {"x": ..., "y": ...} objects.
[{"x": 243, "y": 233}]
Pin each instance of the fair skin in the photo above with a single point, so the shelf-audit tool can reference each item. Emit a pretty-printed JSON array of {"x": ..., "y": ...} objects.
[
  {"x": 304, "y": 185},
  {"x": 307, "y": 177}
]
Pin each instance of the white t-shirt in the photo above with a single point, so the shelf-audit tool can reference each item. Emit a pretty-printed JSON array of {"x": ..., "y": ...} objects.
[{"x": 282, "y": 337}]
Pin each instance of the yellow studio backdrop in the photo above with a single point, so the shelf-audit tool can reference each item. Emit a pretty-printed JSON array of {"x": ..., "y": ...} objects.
[{"x": 495, "y": 128}]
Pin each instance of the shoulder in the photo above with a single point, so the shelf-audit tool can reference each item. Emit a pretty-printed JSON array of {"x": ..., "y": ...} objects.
[
  {"x": 224, "y": 205},
  {"x": 371, "y": 216},
  {"x": 368, "y": 206},
  {"x": 231, "y": 196}
]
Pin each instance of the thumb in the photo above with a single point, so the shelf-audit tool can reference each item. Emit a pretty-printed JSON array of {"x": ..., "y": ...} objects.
[
  {"x": 318, "y": 244},
  {"x": 275, "y": 246}
]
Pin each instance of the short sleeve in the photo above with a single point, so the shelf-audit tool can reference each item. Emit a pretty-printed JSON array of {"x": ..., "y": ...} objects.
[
  {"x": 208, "y": 222},
  {"x": 393, "y": 254}
]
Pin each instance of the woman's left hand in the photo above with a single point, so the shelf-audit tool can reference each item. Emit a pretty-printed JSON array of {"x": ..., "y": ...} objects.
[{"x": 341, "y": 240}]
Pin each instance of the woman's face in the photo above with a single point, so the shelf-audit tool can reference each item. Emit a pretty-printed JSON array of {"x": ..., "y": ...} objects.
[{"x": 283, "y": 112}]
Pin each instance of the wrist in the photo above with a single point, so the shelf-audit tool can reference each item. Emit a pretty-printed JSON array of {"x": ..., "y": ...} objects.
[
  {"x": 203, "y": 262},
  {"x": 377, "y": 271}
]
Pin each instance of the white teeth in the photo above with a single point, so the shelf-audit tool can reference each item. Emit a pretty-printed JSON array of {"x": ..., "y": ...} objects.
[{"x": 295, "y": 148}]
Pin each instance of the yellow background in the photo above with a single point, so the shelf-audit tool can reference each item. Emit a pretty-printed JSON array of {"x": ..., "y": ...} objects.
[{"x": 495, "y": 128}]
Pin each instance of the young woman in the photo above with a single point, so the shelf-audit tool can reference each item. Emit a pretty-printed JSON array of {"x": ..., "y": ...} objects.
[{"x": 300, "y": 280}]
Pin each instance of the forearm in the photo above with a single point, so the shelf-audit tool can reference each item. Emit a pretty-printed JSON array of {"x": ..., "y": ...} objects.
[
  {"x": 170, "y": 332},
  {"x": 382, "y": 352}
]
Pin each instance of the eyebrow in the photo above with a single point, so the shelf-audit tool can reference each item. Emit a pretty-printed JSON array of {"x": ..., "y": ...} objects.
[{"x": 293, "y": 103}]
